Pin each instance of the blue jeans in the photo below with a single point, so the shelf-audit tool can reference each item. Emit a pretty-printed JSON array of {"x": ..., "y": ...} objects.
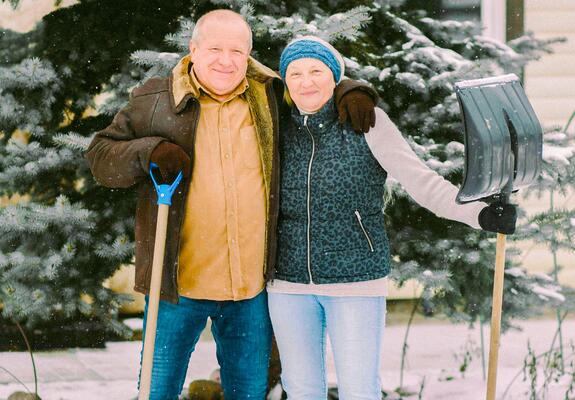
[
  {"x": 355, "y": 327},
  {"x": 241, "y": 330}
]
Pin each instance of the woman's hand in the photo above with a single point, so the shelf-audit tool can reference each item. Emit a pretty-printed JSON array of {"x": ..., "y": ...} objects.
[{"x": 500, "y": 218}]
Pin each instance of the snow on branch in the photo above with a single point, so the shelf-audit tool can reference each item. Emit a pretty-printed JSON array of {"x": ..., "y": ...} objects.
[
  {"x": 149, "y": 58},
  {"x": 558, "y": 154},
  {"x": 120, "y": 248},
  {"x": 182, "y": 37},
  {"x": 548, "y": 293},
  {"x": 159, "y": 63},
  {"x": 24, "y": 162},
  {"x": 72, "y": 140},
  {"x": 34, "y": 218},
  {"x": 415, "y": 36},
  {"x": 345, "y": 25},
  {"x": 31, "y": 73}
]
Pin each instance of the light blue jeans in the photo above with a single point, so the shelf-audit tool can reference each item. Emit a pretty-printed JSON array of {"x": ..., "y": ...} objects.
[{"x": 355, "y": 328}]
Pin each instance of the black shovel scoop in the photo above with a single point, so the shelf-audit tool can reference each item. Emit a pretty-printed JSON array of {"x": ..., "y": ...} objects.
[{"x": 503, "y": 153}]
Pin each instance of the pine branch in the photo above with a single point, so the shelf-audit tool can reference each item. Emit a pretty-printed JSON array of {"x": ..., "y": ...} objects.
[
  {"x": 31, "y": 73},
  {"x": 33, "y": 218},
  {"x": 346, "y": 25},
  {"x": 72, "y": 141},
  {"x": 182, "y": 37}
]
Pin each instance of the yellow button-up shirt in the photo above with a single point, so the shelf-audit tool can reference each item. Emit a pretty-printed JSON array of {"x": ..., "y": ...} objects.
[{"x": 223, "y": 236}]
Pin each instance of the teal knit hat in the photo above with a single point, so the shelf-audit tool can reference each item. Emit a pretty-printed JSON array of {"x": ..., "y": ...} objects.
[{"x": 313, "y": 47}]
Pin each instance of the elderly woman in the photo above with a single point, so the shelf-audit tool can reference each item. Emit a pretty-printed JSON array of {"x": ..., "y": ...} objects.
[{"x": 333, "y": 255}]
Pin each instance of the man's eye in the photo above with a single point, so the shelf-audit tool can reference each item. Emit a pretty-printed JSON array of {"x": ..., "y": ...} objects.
[
  {"x": 214, "y": 49},
  {"x": 238, "y": 52}
]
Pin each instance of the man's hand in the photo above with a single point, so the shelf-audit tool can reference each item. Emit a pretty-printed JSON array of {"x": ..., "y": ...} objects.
[
  {"x": 500, "y": 218},
  {"x": 359, "y": 107},
  {"x": 171, "y": 159}
]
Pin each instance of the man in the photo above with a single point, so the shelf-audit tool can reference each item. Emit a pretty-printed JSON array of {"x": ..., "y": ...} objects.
[{"x": 216, "y": 119}]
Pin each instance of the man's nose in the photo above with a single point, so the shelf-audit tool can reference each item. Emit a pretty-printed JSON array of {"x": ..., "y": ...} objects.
[{"x": 225, "y": 58}]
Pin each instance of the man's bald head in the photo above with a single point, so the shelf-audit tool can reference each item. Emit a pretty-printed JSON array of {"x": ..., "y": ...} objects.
[{"x": 218, "y": 19}]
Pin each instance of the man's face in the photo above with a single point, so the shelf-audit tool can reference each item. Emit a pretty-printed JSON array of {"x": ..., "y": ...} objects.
[{"x": 220, "y": 58}]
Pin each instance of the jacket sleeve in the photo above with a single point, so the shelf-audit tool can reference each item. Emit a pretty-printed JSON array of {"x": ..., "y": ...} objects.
[
  {"x": 424, "y": 185},
  {"x": 119, "y": 155}
]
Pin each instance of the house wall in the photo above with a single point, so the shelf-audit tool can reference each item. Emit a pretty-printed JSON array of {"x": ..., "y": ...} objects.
[
  {"x": 550, "y": 87},
  {"x": 550, "y": 82}
]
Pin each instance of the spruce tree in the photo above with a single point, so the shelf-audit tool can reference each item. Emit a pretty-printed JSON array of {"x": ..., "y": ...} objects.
[
  {"x": 66, "y": 235},
  {"x": 70, "y": 234},
  {"x": 413, "y": 61}
]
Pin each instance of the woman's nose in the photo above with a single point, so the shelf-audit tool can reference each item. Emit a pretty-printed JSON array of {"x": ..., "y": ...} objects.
[{"x": 307, "y": 81}]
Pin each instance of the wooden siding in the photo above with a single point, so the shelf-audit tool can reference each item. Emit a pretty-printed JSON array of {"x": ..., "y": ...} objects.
[{"x": 550, "y": 82}]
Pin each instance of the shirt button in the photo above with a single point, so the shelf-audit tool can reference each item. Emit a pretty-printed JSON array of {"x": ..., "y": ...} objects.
[
  {"x": 230, "y": 185},
  {"x": 321, "y": 125},
  {"x": 227, "y": 155},
  {"x": 233, "y": 241}
]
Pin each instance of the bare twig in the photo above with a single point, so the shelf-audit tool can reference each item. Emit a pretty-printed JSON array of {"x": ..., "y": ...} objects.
[
  {"x": 16, "y": 379},
  {"x": 405, "y": 346},
  {"x": 31, "y": 356}
]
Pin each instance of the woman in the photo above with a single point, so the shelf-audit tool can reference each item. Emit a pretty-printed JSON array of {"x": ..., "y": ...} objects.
[{"x": 333, "y": 255}]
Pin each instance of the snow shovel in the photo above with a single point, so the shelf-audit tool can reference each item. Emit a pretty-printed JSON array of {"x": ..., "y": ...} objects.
[
  {"x": 165, "y": 193},
  {"x": 503, "y": 153}
]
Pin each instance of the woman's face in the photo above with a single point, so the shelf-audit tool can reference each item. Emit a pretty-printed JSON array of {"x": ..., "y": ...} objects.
[{"x": 310, "y": 83}]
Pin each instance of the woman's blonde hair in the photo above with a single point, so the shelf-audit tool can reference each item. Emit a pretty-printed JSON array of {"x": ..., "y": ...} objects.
[{"x": 287, "y": 97}]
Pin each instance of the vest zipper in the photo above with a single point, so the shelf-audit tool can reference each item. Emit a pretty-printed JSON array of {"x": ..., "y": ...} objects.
[
  {"x": 309, "y": 199},
  {"x": 358, "y": 216}
]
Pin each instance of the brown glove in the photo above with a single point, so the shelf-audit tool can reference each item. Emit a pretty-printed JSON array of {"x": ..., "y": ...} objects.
[
  {"x": 171, "y": 159},
  {"x": 358, "y": 106}
]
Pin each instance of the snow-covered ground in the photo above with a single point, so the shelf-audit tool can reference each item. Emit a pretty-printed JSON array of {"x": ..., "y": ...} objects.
[{"x": 435, "y": 354}]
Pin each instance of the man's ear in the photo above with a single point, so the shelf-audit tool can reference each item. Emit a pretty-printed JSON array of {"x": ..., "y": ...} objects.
[{"x": 193, "y": 49}]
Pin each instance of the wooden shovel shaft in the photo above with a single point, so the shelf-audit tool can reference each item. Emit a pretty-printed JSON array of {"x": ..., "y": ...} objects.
[
  {"x": 496, "y": 316},
  {"x": 153, "y": 302}
]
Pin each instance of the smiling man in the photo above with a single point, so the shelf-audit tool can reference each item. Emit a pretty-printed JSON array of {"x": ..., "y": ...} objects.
[{"x": 216, "y": 118}]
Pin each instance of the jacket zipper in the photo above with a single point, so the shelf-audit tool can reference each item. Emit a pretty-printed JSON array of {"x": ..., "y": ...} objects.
[
  {"x": 309, "y": 199},
  {"x": 358, "y": 216}
]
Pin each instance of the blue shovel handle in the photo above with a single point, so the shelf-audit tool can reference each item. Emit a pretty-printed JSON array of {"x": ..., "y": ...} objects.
[{"x": 165, "y": 192}]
